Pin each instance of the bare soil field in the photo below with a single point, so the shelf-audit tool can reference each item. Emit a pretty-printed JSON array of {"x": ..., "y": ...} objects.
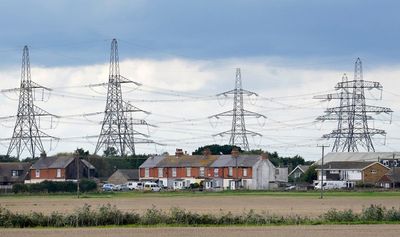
[
  {"x": 281, "y": 231},
  {"x": 294, "y": 205}
]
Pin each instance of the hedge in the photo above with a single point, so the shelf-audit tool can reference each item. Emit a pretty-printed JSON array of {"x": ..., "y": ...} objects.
[{"x": 85, "y": 185}]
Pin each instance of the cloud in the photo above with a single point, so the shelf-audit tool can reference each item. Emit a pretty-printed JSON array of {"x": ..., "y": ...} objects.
[{"x": 180, "y": 94}]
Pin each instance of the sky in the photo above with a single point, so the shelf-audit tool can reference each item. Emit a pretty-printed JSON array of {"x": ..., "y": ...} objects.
[{"x": 185, "y": 52}]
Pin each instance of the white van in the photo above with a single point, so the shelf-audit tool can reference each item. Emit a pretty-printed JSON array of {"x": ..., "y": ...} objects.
[
  {"x": 152, "y": 187},
  {"x": 135, "y": 185}
]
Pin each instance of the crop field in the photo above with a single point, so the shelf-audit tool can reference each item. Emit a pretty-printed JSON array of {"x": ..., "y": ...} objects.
[
  {"x": 279, "y": 203},
  {"x": 278, "y": 231}
]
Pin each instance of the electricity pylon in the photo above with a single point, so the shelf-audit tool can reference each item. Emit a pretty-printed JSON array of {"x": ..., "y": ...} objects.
[
  {"x": 27, "y": 134},
  {"x": 238, "y": 133},
  {"x": 117, "y": 131},
  {"x": 352, "y": 114}
]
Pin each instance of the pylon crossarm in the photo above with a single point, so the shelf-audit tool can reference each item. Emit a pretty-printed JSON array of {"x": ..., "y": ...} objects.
[
  {"x": 239, "y": 91},
  {"x": 359, "y": 83},
  {"x": 366, "y": 109},
  {"x": 130, "y": 108},
  {"x": 126, "y": 80},
  {"x": 333, "y": 96},
  {"x": 41, "y": 112},
  {"x": 334, "y": 116},
  {"x": 35, "y": 85}
]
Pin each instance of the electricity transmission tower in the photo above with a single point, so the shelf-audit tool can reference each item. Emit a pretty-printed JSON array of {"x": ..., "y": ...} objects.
[
  {"x": 27, "y": 134},
  {"x": 117, "y": 128},
  {"x": 353, "y": 113},
  {"x": 238, "y": 133}
]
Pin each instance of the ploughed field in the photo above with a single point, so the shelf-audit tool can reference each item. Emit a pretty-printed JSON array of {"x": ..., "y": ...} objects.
[
  {"x": 282, "y": 204},
  {"x": 271, "y": 231}
]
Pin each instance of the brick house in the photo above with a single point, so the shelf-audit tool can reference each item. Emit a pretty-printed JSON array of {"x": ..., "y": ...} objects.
[
  {"x": 353, "y": 172},
  {"x": 14, "y": 172},
  {"x": 59, "y": 168},
  {"x": 214, "y": 171}
]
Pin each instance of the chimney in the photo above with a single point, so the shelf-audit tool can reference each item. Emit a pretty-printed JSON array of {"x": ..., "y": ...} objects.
[
  {"x": 264, "y": 156},
  {"x": 43, "y": 154},
  {"x": 207, "y": 152},
  {"x": 235, "y": 152},
  {"x": 178, "y": 152}
]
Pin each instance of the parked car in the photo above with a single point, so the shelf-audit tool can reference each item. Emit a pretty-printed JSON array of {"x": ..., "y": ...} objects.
[
  {"x": 292, "y": 187},
  {"x": 135, "y": 185},
  {"x": 152, "y": 187},
  {"x": 108, "y": 187}
]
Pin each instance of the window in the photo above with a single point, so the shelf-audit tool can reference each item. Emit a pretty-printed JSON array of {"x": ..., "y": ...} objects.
[
  {"x": 216, "y": 172},
  {"x": 230, "y": 171},
  {"x": 146, "y": 172},
  {"x": 58, "y": 173},
  {"x": 245, "y": 172},
  {"x": 160, "y": 172},
  {"x": 373, "y": 171},
  {"x": 37, "y": 173},
  {"x": 201, "y": 171},
  {"x": 276, "y": 171},
  {"x": 188, "y": 171},
  {"x": 15, "y": 173},
  {"x": 173, "y": 172}
]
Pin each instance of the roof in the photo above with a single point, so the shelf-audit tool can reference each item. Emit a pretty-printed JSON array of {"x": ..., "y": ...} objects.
[
  {"x": 302, "y": 168},
  {"x": 152, "y": 161},
  {"x": 241, "y": 161},
  {"x": 358, "y": 156},
  {"x": 187, "y": 161},
  {"x": 130, "y": 173},
  {"x": 396, "y": 176},
  {"x": 342, "y": 165},
  {"x": 57, "y": 162},
  {"x": 6, "y": 171}
]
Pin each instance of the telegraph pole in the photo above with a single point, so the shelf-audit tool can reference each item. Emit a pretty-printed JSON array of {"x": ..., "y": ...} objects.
[{"x": 322, "y": 169}]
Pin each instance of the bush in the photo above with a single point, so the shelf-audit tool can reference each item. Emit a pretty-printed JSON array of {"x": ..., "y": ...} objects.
[{"x": 85, "y": 185}]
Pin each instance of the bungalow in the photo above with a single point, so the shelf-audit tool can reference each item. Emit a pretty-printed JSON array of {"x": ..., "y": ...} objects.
[
  {"x": 122, "y": 176},
  {"x": 353, "y": 172},
  {"x": 13, "y": 172},
  {"x": 59, "y": 168},
  {"x": 214, "y": 171}
]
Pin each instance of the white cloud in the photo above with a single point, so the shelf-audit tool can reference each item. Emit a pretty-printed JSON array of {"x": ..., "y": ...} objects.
[{"x": 289, "y": 129}]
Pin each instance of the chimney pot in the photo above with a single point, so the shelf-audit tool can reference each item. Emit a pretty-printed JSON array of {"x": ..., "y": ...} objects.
[{"x": 235, "y": 152}]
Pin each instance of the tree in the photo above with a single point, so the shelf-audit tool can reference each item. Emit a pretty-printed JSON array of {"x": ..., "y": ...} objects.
[
  {"x": 110, "y": 152},
  {"x": 216, "y": 149},
  {"x": 82, "y": 153},
  {"x": 310, "y": 175}
]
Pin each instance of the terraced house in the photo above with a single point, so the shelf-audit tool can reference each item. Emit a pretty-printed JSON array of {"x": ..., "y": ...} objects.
[{"x": 213, "y": 171}]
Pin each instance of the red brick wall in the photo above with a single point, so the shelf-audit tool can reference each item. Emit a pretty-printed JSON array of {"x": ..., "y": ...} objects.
[{"x": 47, "y": 174}]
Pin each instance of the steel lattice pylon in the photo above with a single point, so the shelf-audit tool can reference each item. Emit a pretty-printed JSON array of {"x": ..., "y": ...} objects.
[
  {"x": 352, "y": 114},
  {"x": 117, "y": 130},
  {"x": 238, "y": 133},
  {"x": 27, "y": 134}
]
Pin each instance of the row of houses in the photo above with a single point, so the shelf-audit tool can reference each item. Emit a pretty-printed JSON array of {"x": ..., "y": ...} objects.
[
  {"x": 213, "y": 171},
  {"x": 59, "y": 168}
]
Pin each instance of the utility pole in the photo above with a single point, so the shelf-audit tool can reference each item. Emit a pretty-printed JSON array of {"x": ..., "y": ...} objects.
[
  {"x": 238, "y": 133},
  {"x": 393, "y": 171},
  {"x": 77, "y": 163},
  {"x": 353, "y": 113},
  {"x": 322, "y": 169}
]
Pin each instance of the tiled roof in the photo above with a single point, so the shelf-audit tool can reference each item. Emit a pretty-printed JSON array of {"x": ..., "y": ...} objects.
[
  {"x": 187, "y": 161},
  {"x": 130, "y": 173},
  {"x": 152, "y": 161},
  {"x": 7, "y": 167},
  {"x": 241, "y": 161}
]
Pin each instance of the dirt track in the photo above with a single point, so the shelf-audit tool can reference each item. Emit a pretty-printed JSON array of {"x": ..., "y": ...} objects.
[
  {"x": 306, "y": 206},
  {"x": 279, "y": 231}
]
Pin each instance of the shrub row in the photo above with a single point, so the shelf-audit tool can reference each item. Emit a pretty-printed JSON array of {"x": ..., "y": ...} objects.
[
  {"x": 85, "y": 185},
  {"x": 110, "y": 215}
]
